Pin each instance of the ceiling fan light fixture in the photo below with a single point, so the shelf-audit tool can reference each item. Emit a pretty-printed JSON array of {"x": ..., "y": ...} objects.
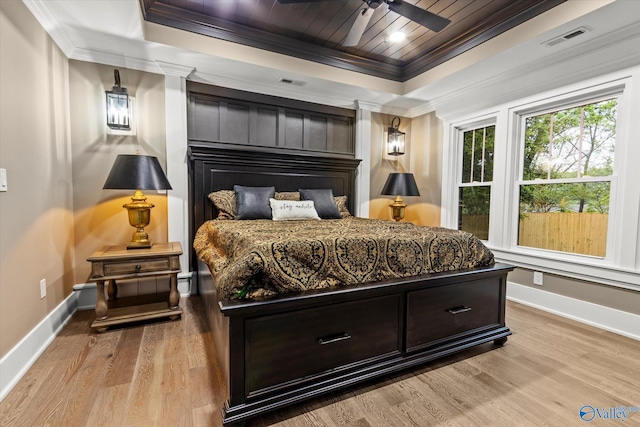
[{"x": 397, "y": 37}]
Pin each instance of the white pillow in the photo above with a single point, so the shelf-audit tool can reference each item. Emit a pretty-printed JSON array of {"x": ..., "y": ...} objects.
[{"x": 292, "y": 210}]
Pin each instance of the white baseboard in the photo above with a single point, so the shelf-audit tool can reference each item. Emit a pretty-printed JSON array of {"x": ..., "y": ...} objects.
[
  {"x": 24, "y": 354},
  {"x": 607, "y": 318},
  {"x": 87, "y": 293}
]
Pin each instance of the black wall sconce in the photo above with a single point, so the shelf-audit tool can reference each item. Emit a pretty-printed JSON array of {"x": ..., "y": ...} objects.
[
  {"x": 395, "y": 139},
  {"x": 118, "y": 108}
]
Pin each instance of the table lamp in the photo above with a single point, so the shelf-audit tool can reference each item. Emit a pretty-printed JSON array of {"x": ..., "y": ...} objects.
[
  {"x": 400, "y": 184},
  {"x": 137, "y": 172}
]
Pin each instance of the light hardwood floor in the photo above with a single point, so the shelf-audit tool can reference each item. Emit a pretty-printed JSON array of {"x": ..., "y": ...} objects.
[{"x": 164, "y": 374}]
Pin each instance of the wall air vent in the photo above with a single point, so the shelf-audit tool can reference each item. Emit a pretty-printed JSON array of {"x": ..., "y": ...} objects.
[
  {"x": 566, "y": 36},
  {"x": 292, "y": 82}
]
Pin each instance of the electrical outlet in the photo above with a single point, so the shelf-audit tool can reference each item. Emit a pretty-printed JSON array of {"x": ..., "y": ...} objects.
[
  {"x": 43, "y": 288},
  {"x": 537, "y": 278},
  {"x": 3, "y": 179}
]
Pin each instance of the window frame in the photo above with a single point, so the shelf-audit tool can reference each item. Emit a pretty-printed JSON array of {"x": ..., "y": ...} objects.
[
  {"x": 454, "y": 182},
  {"x": 460, "y": 179},
  {"x": 620, "y": 266},
  {"x": 519, "y": 122}
]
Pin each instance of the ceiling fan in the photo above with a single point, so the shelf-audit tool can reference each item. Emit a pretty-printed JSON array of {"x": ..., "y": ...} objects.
[{"x": 425, "y": 18}]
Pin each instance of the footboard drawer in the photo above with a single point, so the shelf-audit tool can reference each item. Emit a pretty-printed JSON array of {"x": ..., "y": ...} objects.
[
  {"x": 444, "y": 311},
  {"x": 291, "y": 348}
]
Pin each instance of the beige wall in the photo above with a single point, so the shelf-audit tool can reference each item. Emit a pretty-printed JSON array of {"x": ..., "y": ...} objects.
[
  {"x": 422, "y": 158},
  {"x": 426, "y": 165},
  {"x": 609, "y": 296},
  {"x": 99, "y": 217},
  {"x": 36, "y": 218}
]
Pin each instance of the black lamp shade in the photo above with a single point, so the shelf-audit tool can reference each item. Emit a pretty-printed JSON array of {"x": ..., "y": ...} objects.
[
  {"x": 136, "y": 172},
  {"x": 400, "y": 184}
]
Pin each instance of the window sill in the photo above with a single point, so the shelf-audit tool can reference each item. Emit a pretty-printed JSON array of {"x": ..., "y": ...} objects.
[{"x": 555, "y": 263}]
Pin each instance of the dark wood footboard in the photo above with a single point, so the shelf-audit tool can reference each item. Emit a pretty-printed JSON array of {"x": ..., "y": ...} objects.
[{"x": 294, "y": 347}]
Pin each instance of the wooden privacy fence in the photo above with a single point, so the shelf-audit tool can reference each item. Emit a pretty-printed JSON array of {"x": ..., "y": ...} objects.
[
  {"x": 580, "y": 233},
  {"x": 477, "y": 225}
]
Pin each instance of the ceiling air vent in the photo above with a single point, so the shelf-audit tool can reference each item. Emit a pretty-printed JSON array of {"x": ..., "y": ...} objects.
[
  {"x": 566, "y": 36},
  {"x": 292, "y": 82}
]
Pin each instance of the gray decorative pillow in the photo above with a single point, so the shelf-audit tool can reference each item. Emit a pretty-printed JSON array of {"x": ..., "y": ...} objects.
[
  {"x": 323, "y": 200},
  {"x": 253, "y": 202},
  {"x": 225, "y": 202}
]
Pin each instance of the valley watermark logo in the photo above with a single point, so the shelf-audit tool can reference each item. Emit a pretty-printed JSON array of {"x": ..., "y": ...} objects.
[{"x": 589, "y": 413}]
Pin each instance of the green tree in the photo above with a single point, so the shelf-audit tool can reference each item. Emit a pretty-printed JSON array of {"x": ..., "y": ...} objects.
[
  {"x": 570, "y": 143},
  {"x": 477, "y": 157}
]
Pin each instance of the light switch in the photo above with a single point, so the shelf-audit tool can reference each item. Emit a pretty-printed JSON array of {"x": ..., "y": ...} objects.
[{"x": 3, "y": 180}]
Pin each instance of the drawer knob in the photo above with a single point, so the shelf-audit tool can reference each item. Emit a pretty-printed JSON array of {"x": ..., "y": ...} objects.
[
  {"x": 138, "y": 267},
  {"x": 458, "y": 310},
  {"x": 333, "y": 338}
]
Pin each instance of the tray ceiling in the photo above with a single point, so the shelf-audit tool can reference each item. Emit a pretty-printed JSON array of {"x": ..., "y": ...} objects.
[{"x": 316, "y": 30}]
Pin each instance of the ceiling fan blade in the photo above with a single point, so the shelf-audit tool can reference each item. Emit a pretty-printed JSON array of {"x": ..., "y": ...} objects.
[
  {"x": 421, "y": 16},
  {"x": 358, "y": 27},
  {"x": 300, "y": 1}
]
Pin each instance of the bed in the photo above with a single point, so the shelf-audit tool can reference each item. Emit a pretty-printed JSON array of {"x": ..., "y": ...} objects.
[{"x": 298, "y": 338}]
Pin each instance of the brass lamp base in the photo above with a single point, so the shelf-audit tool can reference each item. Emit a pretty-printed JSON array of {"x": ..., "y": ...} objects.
[
  {"x": 397, "y": 208},
  {"x": 139, "y": 212}
]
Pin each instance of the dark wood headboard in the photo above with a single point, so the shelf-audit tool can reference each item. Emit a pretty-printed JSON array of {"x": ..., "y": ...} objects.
[{"x": 215, "y": 167}]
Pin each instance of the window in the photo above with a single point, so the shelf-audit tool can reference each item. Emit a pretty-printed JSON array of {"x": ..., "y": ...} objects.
[
  {"x": 475, "y": 186},
  {"x": 567, "y": 165},
  {"x": 559, "y": 180}
]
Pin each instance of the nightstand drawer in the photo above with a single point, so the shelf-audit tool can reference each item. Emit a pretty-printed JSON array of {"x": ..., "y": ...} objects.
[{"x": 135, "y": 267}]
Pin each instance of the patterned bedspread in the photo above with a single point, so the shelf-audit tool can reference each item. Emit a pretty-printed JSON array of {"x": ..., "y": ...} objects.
[{"x": 250, "y": 259}]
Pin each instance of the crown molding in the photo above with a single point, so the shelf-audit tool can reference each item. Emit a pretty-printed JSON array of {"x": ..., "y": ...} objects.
[
  {"x": 116, "y": 60},
  {"x": 169, "y": 69},
  {"x": 366, "y": 105},
  {"x": 611, "y": 52},
  {"x": 426, "y": 108},
  {"x": 43, "y": 15}
]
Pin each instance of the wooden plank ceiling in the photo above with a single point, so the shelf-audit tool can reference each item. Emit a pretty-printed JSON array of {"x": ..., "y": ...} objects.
[{"x": 316, "y": 30}]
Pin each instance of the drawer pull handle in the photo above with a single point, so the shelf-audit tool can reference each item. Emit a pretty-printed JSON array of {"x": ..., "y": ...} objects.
[
  {"x": 333, "y": 338},
  {"x": 138, "y": 267},
  {"x": 458, "y": 310}
]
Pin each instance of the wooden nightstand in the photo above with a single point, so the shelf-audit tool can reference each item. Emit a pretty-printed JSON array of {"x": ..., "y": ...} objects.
[{"x": 113, "y": 263}]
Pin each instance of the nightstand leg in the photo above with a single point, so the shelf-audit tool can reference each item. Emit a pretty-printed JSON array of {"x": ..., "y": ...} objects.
[
  {"x": 174, "y": 296},
  {"x": 112, "y": 289},
  {"x": 101, "y": 302}
]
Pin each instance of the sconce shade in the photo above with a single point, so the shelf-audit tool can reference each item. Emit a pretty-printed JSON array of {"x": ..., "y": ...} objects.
[
  {"x": 395, "y": 139},
  {"x": 136, "y": 172},
  {"x": 400, "y": 184},
  {"x": 118, "y": 106}
]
